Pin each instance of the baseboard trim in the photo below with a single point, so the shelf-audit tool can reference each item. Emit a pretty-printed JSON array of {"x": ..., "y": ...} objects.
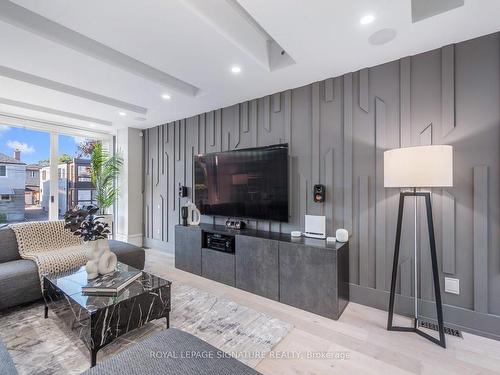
[
  {"x": 486, "y": 325},
  {"x": 158, "y": 244},
  {"x": 134, "y": 239}
]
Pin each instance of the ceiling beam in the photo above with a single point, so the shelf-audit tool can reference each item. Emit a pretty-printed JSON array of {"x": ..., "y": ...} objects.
[
  {"x": 16, "y": 121},
  {"x": 67, "y": 89},
  {"x": 52, "y": 111},
  {"x": 41, "y": 26}
]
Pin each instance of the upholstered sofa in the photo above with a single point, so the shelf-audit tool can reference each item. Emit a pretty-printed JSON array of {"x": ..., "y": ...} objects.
[
  {"x": 171, "y": 352},
  {"x": 19, "y": 279}
]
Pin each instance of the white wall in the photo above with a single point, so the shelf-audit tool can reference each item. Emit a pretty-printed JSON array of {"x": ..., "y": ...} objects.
[
  {"x": 129, "y": 207},
  {"x": 16, "y": 176}
]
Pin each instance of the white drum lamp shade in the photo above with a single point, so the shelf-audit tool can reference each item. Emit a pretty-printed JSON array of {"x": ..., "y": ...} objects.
[{"x": 420, "y": 166}]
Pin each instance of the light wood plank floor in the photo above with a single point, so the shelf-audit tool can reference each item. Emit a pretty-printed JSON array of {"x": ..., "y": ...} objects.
[{"x": 359, "y": 334}]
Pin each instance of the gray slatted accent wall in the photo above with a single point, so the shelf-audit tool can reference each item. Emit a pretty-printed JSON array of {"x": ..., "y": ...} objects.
[{"x": 337, "y": 130}]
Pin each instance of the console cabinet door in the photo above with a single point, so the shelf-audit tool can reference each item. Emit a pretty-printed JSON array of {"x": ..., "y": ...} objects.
[
  {"x": 218, "y": 266},
  {"x": 308, "y": 278},
  {"x": 188, "y": 249},
  {"x": 257, "y": 266}
]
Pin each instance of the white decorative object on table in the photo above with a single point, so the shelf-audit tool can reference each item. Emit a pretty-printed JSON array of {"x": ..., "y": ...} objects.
[
  {"x": 194, "y": 215},
  {"x": 100, "y": 259},
  {"x": 342, "y": 235},
  {"x": 331, "y": 240},
  {"x": 296, "y": 233}
]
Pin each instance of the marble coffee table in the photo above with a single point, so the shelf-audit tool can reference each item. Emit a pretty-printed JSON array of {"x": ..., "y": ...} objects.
[{"x": 98, "y": 320}]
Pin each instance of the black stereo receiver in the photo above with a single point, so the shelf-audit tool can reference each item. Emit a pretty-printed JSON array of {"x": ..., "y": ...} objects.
[{"x": 219, "y": 242}]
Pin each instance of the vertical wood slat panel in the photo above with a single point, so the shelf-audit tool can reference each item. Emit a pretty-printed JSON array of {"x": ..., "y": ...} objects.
[
  {"x": 178, "y": 127},
  {"x": 244, "y": 117},
  {"x": 426, "y": 289},
  {"x": 198, "y": 134},
  {"x": 152, "y": 157},
  {"x": 447, "y": 89},
  {"x": 166, "y": 229},
  {"x": 347, "y": 110},
  {"x": 316, "y": 152},
  {"x": 171, "y": 188},
  {"x": 147, "y": 182},
  {"x": 329, "y": 198},
  {"x": 277, "y": 102},
  {"x": 363, "y": 231},
  {"x": 254, "y": 121},
  {"x": 481, "y": 239},
  {"x": 380, "y": 212},
  {"x": 174, "y": 165},
  {"x": 218, "y": 127},
  {"x": 405, "y": 101},
  {"x": 211, "y": 127},
  {"x": 159, "y": 146},
  {"x": 302, "y": 199},
  {"x": 203, "y": 133},
  {"x": 406, "y": 275},
  {"x": 237, "y": 125},
  {"x": 329, "y": 91},
  {"x": 267, "y": 113},
  {"x": 363, "y": 90},
  {"x": 407, "y": 278},
  {"x": 184, "y": 149},
  {"x": 448, "y": 236},
  {"x": 287, "y": 118}
]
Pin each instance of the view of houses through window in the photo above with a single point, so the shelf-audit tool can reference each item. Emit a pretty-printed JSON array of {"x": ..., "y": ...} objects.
[{"x": 25, "y": 174}]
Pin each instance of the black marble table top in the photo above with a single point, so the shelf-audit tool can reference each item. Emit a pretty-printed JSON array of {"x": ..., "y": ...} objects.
[{"x": 71, "y": 283}]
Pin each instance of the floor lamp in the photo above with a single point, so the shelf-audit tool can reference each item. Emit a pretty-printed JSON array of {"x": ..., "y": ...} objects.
[{"x": 418, "y": 167}]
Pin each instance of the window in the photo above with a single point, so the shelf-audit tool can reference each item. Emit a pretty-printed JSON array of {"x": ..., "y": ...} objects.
[
  {"x": 5, "y": 197},
  {"x": 32, "y": 174},
  {"x": 3, "y": 171},
  {"x": 84, "y": 173},
  {"x": 44, "y": 175},
  {"x": 84, "y": 195}
]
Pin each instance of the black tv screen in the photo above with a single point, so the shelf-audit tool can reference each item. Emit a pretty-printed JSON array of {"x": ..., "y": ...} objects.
[{"x": 247, "y": 183}]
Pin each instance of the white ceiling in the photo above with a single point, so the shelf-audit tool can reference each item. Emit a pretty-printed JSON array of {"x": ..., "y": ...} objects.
[{"x": 122, "y": 55}]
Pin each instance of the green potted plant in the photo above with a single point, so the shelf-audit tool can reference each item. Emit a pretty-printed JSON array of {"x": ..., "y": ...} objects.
[{"x": 104, "y": 170}]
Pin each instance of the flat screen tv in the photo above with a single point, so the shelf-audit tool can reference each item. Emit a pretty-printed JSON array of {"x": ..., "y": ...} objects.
[{"x": 248, "y": 183}]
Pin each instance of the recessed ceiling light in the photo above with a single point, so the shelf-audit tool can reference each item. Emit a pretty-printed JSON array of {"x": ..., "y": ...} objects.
[
  {"x": 166, "y": 96},
  {"x": 365, "y": 20},
  {"x": 236, "y": 69},
  {"x": 122, "y": 113}
]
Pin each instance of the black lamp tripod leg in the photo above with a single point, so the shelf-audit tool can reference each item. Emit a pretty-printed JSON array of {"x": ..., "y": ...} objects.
[
  {"x": 395, "y": 261},
  {"x": 435, "y": 271}
]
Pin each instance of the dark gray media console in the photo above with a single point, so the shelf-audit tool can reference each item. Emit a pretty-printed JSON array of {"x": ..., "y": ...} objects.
[{"x": 305, "y": 273}]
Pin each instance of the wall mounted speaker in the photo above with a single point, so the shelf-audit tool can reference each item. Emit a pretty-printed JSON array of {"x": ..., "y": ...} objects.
[
  {"x": 319, "y": 193},
  {"x": 183, "y": 191}
]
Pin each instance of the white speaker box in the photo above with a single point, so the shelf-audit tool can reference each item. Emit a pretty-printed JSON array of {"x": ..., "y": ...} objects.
[
  {"x": 315, "y": 226},
  {"x": 342, "y": 235}
]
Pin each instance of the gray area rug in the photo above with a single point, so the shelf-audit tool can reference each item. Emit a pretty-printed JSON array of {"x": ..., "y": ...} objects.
[{"x": 45, "y": 346}]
